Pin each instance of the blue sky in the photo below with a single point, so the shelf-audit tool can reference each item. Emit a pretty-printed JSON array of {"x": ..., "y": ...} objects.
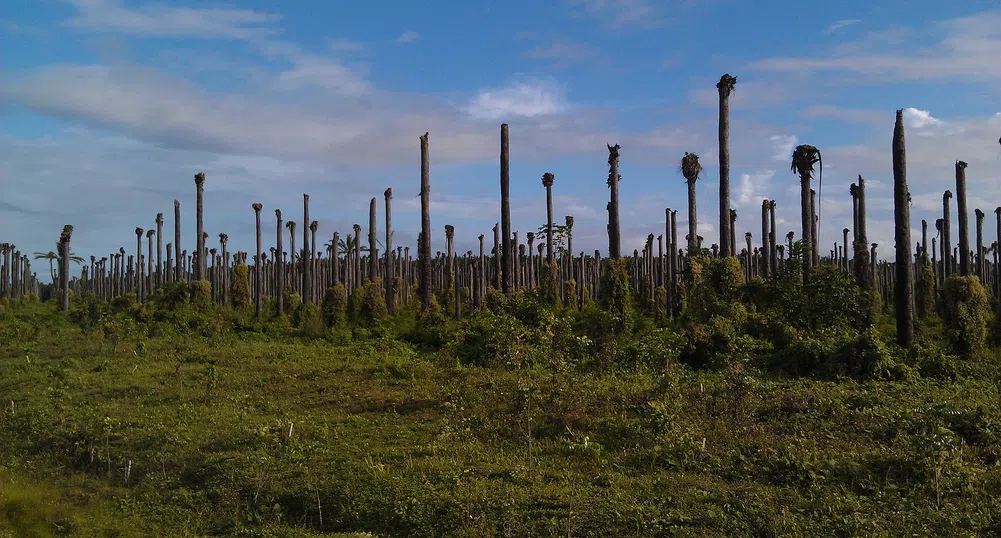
[{"x": 108, "y": 108}]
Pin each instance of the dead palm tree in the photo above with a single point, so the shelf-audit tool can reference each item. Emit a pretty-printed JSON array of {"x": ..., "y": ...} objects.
[
  {"x": 200, "y": 239},
  {"x": 614, "y": 239},
  {"x": 904, "y": 290},
  {"x": 279, "y": 266},
  {"x": 964, "y": 219},
  {"x": 690, "y": 168},
  {"x": 258, "y": 265},
  {"x": 505, "y": 183},
  {"x": 725, "y": 86},
  {"x": 804, "y": 157},
  {"x": 425, "y": 245}
]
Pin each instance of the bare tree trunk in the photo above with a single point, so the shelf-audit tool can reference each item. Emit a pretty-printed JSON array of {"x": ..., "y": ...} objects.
[
  {"x": 373, "y": 247},
  {"x": 279, "y": 266},
  {"x": 64, "y": 267},
  {"x": 307, "y": 262},
  {"x": 390, "y": 266},
  {"x": 507, "y": 254},
  {"x": 259, "y": 264},
  {"x": 946, "y": 234},
  {"x": 614, "y": 239},
  {"x": 980, "y": 245},
  {"x": 177, "y": 241},
  {"x": 199, "y": 224},
  {"x": 547, "y": 182},
  {"x": 904, "y": 291},
  {"x": 964, "y": 219},
  {"x": 425, "y": 246},
  {"x": 725, "y": 87}
]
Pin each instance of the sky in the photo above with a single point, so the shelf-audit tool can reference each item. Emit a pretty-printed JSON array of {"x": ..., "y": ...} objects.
[{"x": 108, "y": 108}]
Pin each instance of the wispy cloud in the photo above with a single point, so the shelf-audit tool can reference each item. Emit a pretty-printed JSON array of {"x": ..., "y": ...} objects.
[
  {"x": 838, "y": 25},
  {"x": 620, "y": 13},
  {"x": 965, "y": 48},
  {"x": 408, "y": 37},
  {"x": 561, "y": 50},
  {"x": 158, "y": 20},
  {"x": 783, "y": 146}
]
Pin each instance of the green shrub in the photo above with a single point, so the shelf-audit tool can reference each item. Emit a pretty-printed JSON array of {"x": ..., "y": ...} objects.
[
  {"x": 716, "y": 283},
  {"x": 658, "y": 349},
  {"x": 615, "y": 296},
  {"x": 291, "y": 300},
  {"x": 170, "y": 296},
  {"x": 573, "y": 299},
  {"x": 308, "y": 318},
  {"x": 239, "y": 288},
  {"x": 123, "y": 303},
  {"x": 832, "y": 299},
  {"x": 496, "y": 301},
  {"x": 200, "y": 295},
  {"x": 549, "y": 285},
  {"x": 369, "y": 303},
  {"x": 335, "y": 302},
  {"x": 924, "y": 288},
  {"x": 965, "y": 314},
  {"x": 491, "y": 340}
]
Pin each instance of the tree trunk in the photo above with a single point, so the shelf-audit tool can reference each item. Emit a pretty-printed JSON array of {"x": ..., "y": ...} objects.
[
  {"x": 693, "y": 236},
  {"x": 614, "y": 239},
  {"x": 964, "y": 222},
  {"x": 258, "y": 264},
  {"x": 425, "y": 246},
  {"x": 946, "y": 234},
  {"x": 980, "y": 245},
  {"x": 505, "y": 180},
  {"x": 390, "y": 266},
  {"x": 904, "y": 290},
  {"x": 279, "y": 267},
  {"x": 807, "y": 222},
  {"x": 177, "y": 241},
  {"x": 64, "y": 268},
  {"x": 199, "y": 225},
  {"x": 373, "y": 247},
  {"x": 307, "y": 262},
  {"x": 725, "y": 87}
]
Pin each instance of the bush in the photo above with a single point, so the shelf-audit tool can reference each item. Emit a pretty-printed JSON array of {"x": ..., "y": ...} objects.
[
  {"x": 308, "y": 318},
  {"x": 965, "y": 314},
  {"x": 924, "y": 288},
  {"x": 716, "y": 284},
  {"x": 491, "y": 340},
  {"x": 548, "y": 283},
  {"x": 170, "y": 296},
  {"x": 200, "y": 295},
  {"x": 833, "y": 353},
  {"x": 496, "y": 301},
  {"x": 291, "y": 300},
  {"x": 335, "y": 302},
  {"x": 239, "y": 288},
  {"x": 369, "y": 303},
  {"x": 123, "y": 303},
  {"x": 573, "y": 299},
  {"x": 616, "y": 297}
]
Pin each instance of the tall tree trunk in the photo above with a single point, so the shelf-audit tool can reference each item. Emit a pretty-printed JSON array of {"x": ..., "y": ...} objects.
[
  {"x": 814, "y": 235},
  {"x": 199, "y": 225},
  {"x": 693, "y": 235},
  {"x": 498, "y": 272},
  {"x": 506, "y": 254},
  {"x": 725, "y": 87},
  {"x": 373, "y": 247},
  {"x": 733, "y": 233},
  {"x": 139, "y": 265},
  {"x": 904, "y": 291},
  {"x": 547, "y": 182},
  {"x": 311, "y": 291},
  {"x": 259, "y": 264},
  {"x": 946, "y": 234},
  {"x": 64, "y": 268},
  {"x": 177, "y": 242},
  {"x": 964, "y": 219},
  {"x": 807, "y": 222},
  {"x": 425, "y": 246},
  {"x": 390, "y": 266},
  {"x": 159, "y": 250},
  {"x": 279, "y": 266},
  {"x": 614, "y": 239},
  {"x": 765, "y": 264},
  {"x": 307, "y": 262},
  {"x": 451, "y": 290},
  {"x": 980, "y": 245}
]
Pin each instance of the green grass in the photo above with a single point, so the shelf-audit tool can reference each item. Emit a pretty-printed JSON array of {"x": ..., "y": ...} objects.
[{"x": 244, "y": 434}]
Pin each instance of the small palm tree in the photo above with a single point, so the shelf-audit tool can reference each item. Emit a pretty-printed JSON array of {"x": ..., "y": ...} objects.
[
  {"x": 690, "y": 168},
  {"x": 52, "y": 257}
]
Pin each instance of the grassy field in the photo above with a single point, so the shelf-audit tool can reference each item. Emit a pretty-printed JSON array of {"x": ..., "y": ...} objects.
[{"x": 129, "y": 432}]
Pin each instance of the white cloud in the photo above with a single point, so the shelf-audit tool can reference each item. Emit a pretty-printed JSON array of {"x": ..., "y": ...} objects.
[
  {"x": 746, "y": 95},
  {"x": 919, "y": 119},
  {"x": 620, "y": 13},
  {"x": 783, "y": 146},
  {"x": 754, "y": 187},
  {"x": 838, "y": 25},
  {"x": 408, "y": 37},
  {"x": 526, "y": 97},
  {"x": 346, "y": 45},
  {"x": 962, "y": 49},
  {"x": 158, "y": 20},
  {"x": 561, "y": 50}
]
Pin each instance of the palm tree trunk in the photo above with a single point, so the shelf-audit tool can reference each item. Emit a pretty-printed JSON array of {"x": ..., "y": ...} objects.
[
  {"x": 814, "y": 235},
  {"x": 507, "y": 254},
  {"x": 390, "y": 266},
  {"x": 177, "y": 241},
  {"x": 336, "y": 261},
  {"x": 279, "y": 266},
  {"x": 425, "y": 246},
  {"x": 498, "y": 271},
  {"x": 200, "y": 239},
  {"x": 311, "y": 288},
  {"x": 765, "y": 265},
  {"x": 946, "y": 234},
  {"x": 259, "y": 265},
  {"x": 614, "y": 235},
  {"x": 693, "y": 236},
  {"x": 904, "y": 291},
  {"x": 64, "y": 267},
  {"x": 138, "y": 274},
  {"x": 807, "y": 222},
  {"x": 964, "y": 222},
  {"x": 373, "y": 247},
  {"x": 725, "y": 88},
  {"x": 980, "y": 245}
]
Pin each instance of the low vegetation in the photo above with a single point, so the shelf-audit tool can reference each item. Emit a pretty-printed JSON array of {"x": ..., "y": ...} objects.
[{"x": 767, "y": 409}]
